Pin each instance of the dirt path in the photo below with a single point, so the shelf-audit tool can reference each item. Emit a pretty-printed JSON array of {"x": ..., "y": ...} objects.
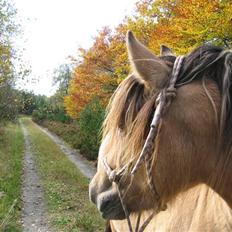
[
  {"x": 86, "y": 168},
  {"x": 34, "y": 209},
  {"x": 34, "y": 216}
]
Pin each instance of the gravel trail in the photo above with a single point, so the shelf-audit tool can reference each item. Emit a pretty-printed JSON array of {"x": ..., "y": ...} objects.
[
  {"x": 34, "y": 217},
  {"x": 86, "y": 168}
]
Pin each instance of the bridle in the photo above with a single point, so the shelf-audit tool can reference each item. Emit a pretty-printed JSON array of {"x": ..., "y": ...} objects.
[{"x": 163, "y": 102}]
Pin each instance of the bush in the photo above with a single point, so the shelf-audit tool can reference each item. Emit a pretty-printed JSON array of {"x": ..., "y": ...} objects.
[
  {"x": 43, "y": 114},
  {"x": 8, "y": 104},
  {"x": 37, "y": 115},
  {"x": 90, "y": 121},
  {"x": 59, "y": 116}
]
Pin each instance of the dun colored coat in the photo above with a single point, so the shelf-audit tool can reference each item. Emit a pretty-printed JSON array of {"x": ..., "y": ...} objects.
[{"x": 192, "y": 170}]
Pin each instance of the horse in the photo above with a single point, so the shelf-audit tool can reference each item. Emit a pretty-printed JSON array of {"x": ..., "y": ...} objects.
[
  {"x": 195, "y": 210},
  {"x": 191, "y": 162}
]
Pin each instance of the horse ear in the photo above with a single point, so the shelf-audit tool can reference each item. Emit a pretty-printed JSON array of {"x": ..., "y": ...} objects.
[
  {"x": 148, "y": 68},
  {"x": 165, "y": 51}
]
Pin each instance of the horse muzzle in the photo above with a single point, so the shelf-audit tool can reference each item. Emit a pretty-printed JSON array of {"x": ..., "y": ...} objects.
[{"x": 108, "y": 203}]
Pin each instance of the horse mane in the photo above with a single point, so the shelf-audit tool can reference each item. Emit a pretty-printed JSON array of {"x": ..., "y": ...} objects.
[{"x": 132, "y": 105}]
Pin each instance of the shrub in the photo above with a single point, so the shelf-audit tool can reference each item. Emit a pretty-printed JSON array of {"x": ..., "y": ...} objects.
[
  {"x": 90, "y": 121},
  {"x": 41, "y": 114},
  {"x": 59, "y": 116},
  {"x": 38, "y": 115}
]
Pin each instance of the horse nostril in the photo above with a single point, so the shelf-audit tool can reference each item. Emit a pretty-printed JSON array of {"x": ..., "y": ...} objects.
[
  {"x": 109, "y": 204},
  {"x": 107, "y": 200},
  {"x": 104, "y": 204}
]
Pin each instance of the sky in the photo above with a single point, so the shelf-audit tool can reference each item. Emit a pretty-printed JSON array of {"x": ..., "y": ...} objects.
[{"x": 54, "y": 29}]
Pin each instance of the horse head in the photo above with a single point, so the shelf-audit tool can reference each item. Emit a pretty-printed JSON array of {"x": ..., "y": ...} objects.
[{"x": 188, "y": 148}]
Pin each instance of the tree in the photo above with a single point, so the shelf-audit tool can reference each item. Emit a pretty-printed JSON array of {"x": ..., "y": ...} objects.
[
  {"x": 8, "y": 29},
  {"x": 27, "y": 102},
  {"x": 62, "y": 76},
  {"x": 184, "y": 25},
  {"x": 91, "y": 75},
  {"x": 181, "y": 25}
]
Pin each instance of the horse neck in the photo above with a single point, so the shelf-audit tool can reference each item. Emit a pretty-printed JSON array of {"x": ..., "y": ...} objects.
[{"x": 222, "y": 178}]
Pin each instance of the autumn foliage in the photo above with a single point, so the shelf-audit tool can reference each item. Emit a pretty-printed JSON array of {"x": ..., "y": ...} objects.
[
  {"x": 98, "y": 72},
  {"x": 181, "y": 25}
]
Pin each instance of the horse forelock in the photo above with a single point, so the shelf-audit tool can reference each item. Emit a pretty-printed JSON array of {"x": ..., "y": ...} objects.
[{"x": 130, "y": 109}]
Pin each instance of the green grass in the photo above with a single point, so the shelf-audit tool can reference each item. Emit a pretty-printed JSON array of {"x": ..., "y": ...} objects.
[
  {"x": 66, "y": 190},
  {"x": 11, "y": 153}
]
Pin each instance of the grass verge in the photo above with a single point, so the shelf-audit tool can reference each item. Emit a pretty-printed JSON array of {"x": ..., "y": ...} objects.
[
  {"x": 66, "y": 190},
  {"x": 68, "y": 132},
  {"x": 11, "y": 154}
]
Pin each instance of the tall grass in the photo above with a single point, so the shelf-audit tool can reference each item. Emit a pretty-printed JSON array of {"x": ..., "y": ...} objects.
[{"x": 11, "y": 153}]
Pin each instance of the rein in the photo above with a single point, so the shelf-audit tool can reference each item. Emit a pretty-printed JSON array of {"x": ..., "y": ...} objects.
[{"x": 163, "y": 102}]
